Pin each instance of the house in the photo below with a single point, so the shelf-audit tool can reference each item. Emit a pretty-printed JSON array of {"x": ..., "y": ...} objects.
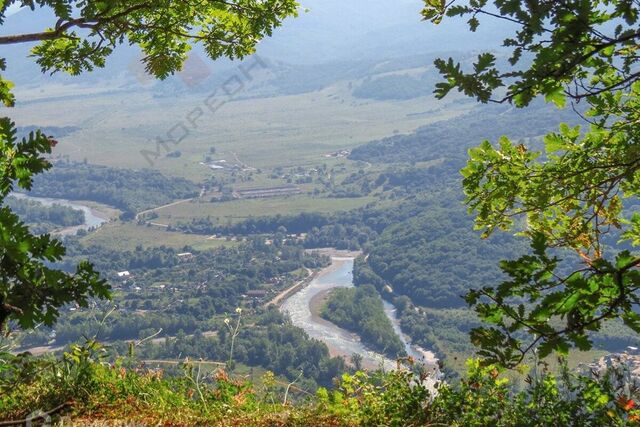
[
  {"x": 625, "y": 366},
  {"x": 257, "y": 294},
  {"x": 123, "y": 274},
  {"x": 185, "y": 255}
]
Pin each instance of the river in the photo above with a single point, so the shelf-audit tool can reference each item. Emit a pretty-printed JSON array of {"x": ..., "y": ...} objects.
[
  {"x": 340, "y": 341},
  {"x": 92, "y": 218}
]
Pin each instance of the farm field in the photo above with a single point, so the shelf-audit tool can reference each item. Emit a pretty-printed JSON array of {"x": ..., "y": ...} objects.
[
  {"x": 238, "y": 210},
  {"x": 278, "y": 131},
  {"x": 126, "y": 236}
]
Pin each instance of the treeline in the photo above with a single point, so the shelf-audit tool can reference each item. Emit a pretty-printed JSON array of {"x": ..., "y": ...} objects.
[
  {"x": 342, "y": 231},
  {"x": 400, "y": 182},
  {"x": 271, "y": 342},
  {"x": 451, "y": 138},
  {"x": 43, "y": 219},
  {"x": 443, "y": 331},
  {"x": 251, "y": 263},
  {"x": 360, "y": 310},
  {"x": 128, "y": 190},
  {"x": 295, "y": 224},
  {"x": 353, "y": 229},
  {"x": 396, "y": 87}
]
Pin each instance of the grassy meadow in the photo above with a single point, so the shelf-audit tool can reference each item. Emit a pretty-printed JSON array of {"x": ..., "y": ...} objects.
[
  {"x": 238, "y": 210},
  {"x": 278, "y": 131},
  {"x": 126, "y": 236}
]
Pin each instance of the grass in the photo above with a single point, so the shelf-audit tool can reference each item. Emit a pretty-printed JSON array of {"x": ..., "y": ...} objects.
[
  {"x": 82, "y": 389},
  {"x": 126, "y": 236},
  {"x": 263, "y": 132},
  {"x": 104, "y": 210},
  {"x": 238, "y": 210}
]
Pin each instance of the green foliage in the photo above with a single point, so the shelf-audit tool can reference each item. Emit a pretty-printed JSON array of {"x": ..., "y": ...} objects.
[
  {"x": 87, "y": 32},
  {"x": 30, "y": 291},
  {"x": 83, "y": 384},
  {"x": 361, "y": 310},
  {"x": 442, "y": 331},
  {"x": 485, "y": 398},
  {"x": 85, "y": 388},
  {"x": 450, "y": 139},
  {"x": 129, "y": 190},
  {"x": 395, "y": 399},
  {"x": 7, "y": 98},
  {"x": 572, "y": 200},
  {"x": 576, "y": 49},
  {"x": 434, "y": 257},
  {"x": 43, "y": 219}
]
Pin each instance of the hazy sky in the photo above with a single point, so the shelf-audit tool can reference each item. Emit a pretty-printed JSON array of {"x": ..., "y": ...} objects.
[{"x": 13, "y": 9}]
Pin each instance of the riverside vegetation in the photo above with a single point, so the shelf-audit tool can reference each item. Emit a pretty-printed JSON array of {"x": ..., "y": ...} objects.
[
  {"x": 568, "y": 283},
  {"x": 361, "y": 310}
]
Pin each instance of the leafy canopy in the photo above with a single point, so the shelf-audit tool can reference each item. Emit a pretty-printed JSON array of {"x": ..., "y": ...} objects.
[
  {"x": 577, "y": 195},
  {"x": 29, "y": 289},
  {"x": 87, "y": 31},
  {"x": 85, "y": 34}
]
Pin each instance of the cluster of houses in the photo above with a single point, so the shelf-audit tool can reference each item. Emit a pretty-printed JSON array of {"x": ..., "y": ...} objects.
[
  {"x": 254, "y": 295},
  {"x": 261, "y": 193},
  {"x": 338, "y": 154},
  {"x": 624, "y": 367},
  {"x": 223, "y": 165}
]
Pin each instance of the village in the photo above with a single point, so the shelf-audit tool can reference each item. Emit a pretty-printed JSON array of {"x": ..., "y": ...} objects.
[{"x": 271, "y": 292}]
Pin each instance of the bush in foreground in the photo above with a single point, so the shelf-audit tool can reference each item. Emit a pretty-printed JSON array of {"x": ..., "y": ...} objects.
[{"x": 81, "y": 388}]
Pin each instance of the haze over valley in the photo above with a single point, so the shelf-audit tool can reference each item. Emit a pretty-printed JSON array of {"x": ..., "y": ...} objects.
[{"x": 299, "y": 213}]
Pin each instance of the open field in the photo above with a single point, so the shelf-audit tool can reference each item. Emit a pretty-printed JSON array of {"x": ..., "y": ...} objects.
[
  {"x": 126, "y": 236},
  {"x": 260, "y": 139},
  {"x": 238, "y": 210},
  {"x": 261, "y": 132}
]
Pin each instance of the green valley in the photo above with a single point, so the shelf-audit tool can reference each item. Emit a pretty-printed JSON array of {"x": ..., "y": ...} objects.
[{"x": 267, "y": 213}]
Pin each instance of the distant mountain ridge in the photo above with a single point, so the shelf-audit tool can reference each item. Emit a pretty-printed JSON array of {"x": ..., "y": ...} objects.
[{"x": 327, "y": 32}]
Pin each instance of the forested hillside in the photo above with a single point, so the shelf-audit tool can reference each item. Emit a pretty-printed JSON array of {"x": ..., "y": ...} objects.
[
  {"x": 450, "y": 139},
  {"x": 435, "y": 258},
  {"x": 432, "y": 255}
]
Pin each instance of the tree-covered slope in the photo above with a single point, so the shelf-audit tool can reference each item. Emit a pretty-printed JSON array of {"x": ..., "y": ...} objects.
[
  {"x": 450, "y": 139},
  {"x": 435, "y": 257}
]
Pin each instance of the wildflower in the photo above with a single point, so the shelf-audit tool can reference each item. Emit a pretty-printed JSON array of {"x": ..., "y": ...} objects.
[
  {"x": 239, "y": 310},
  {"x": 629, "y": 406},
  {"x": 221, "y": 376},
  {"x": 626, "y": 404}
]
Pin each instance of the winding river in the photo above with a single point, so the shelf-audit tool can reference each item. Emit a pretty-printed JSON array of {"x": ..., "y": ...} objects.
[
  {"x": 342, "y": 342},
  {"x": 92, "y": 218}
]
